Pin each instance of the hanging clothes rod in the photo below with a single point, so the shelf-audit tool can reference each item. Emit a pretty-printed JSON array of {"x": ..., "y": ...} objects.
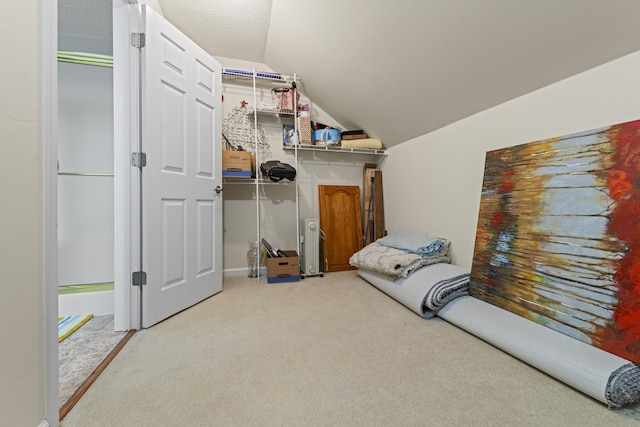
[
  {"x": 84, "y": 174},
  {"x": 85, "y": 58}
]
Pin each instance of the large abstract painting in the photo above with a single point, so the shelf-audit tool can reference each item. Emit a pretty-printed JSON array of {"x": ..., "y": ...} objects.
[{"x": 558, "y": 238}]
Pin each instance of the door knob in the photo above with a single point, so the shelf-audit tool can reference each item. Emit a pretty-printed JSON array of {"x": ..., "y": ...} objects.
[{"x": 218, "y": 189}]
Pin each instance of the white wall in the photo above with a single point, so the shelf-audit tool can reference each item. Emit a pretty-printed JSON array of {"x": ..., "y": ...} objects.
[
  {"x": 278, "y": 210},
  {"x": 84, "y": 43},
  {"x": 85, "y": 203},
  {"x": 432, "y": 183},
  {"x": 22, "y": 362}
]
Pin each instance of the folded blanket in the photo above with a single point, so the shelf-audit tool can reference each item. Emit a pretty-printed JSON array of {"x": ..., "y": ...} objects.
[
  {"x": 390, "y": 262},
  {"x": 394, "y": 263},
  {"x": 426, "y": 290},
  {"x": 420, "y": 244},
  {"x": 444, "y": 291}
]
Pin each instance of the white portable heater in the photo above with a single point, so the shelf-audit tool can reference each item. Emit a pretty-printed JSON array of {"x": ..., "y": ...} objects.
[{"x": 310, "y": 247}]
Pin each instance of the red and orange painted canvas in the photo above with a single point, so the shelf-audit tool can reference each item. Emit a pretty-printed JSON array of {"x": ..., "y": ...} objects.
[{"x": 558, "y": 239}]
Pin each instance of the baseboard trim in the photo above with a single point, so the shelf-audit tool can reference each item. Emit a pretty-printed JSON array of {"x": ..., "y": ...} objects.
[
  {"x": 232, "y": 272},
  {"x": 99, "y": 303}
]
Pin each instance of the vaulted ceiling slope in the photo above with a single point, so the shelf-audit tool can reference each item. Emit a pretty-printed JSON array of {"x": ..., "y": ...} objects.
[
  {"x": 403, "y": 68},
  {"x": 400, "y": 69}
]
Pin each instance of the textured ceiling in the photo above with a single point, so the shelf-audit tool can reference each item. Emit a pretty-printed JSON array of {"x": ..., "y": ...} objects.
[
  {"x": 85, "y": 18},
  {"x": 230, "y": 28},
  {"x": 404, "y": 68}
]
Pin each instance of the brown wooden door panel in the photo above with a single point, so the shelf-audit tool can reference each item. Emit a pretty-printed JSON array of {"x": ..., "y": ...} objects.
[
  {"x": 373, "y": 206},
  {"x": 341, "y": 223}
]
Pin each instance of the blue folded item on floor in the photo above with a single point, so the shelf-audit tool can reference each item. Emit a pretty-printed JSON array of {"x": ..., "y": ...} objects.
[{"x": 420, "y": 244}]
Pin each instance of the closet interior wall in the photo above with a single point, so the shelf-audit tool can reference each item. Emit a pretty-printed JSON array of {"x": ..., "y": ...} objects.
[{"x": 85, "y": 174}]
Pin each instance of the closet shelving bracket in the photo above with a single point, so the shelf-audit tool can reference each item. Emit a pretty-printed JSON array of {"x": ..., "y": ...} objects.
[{"x": 346, "y": 150}]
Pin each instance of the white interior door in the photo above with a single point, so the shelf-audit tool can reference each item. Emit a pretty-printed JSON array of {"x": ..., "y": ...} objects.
[{"x": 181, "y": 136}]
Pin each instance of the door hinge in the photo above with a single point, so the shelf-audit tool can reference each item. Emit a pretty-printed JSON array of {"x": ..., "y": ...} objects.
[
  {"x": 138, "y": 160},
  {"x": 137, "y": 40},
  {"x": 139, "y": 278}
]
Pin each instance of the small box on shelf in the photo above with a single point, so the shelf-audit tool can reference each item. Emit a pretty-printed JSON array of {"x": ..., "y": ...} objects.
[
  {"x": 354, "y": 134},
  {"x": 327, "y": 137},
  {"x": 236, "y": 163},
  {"x": 289, "y": 136},
  {"x": 284, "y": 268}
]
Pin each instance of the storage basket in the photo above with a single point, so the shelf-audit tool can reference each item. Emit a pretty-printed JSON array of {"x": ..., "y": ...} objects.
[{"x": 304, "y": 130}]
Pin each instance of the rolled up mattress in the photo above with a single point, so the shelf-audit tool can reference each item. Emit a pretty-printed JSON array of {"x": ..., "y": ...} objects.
[
  {"x": 595, "y": 372},
  {"x": 370, "y": 143},
  {"x": 426, "y": 290}
]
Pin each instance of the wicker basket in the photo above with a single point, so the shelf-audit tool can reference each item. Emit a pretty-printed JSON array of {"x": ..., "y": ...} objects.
[{"x": 304, "y": 130}]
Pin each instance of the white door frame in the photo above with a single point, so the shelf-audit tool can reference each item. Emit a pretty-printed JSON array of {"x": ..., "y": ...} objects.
[
  {"x": 49, "y": 119},
  {"x": 126, "y": 182}
]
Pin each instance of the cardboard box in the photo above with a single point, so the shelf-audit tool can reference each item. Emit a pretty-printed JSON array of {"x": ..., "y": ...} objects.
[
  {"x": 284, "y": 269},
  {"x": 253, "y": 165},
  {"x": 236, "y": 163},
  {"x": 353, "y": 136}
]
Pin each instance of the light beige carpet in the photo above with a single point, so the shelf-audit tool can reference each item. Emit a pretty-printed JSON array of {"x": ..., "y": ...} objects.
[{"x": 331, "y": 351}]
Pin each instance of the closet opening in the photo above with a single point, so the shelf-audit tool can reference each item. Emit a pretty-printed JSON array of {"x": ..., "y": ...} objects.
[{"x": 87, "y": 340}]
